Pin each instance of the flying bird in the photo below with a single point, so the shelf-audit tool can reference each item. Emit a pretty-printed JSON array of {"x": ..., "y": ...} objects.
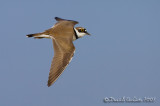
[{"x": 63, "y": 33}]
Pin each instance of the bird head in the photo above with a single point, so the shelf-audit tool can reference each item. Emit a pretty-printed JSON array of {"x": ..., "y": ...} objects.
[{"x": 81, "y": 32}]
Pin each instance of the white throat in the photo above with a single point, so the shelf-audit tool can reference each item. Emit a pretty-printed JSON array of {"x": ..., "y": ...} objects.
[{"x": 79, "y": 34}]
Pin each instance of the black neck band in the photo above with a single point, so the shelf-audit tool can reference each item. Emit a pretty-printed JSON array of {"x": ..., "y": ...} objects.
[{"x": 75, "y": 34}]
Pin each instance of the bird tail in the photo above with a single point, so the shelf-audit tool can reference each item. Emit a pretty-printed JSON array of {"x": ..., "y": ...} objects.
[{"x": 38, "y": 35}]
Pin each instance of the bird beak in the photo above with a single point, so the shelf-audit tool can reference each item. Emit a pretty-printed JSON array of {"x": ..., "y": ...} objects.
[{"x": 87, "y": 33}]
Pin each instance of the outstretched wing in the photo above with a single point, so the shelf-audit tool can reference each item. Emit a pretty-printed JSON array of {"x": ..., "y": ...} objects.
[
  {"x": 63, "y": 53},
  {"x": 60, "y": 19}
]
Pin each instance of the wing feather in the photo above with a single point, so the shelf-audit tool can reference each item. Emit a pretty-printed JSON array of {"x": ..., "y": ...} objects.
[
  {"x": 60, "y": 19},
  {"x": 62, "y": 56}
]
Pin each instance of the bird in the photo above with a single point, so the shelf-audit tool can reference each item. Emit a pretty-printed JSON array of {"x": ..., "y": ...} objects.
[{"x": 63, "y": 33}]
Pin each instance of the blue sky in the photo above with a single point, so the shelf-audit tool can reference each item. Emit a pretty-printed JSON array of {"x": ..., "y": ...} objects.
[{"x": 121, "y": 58}]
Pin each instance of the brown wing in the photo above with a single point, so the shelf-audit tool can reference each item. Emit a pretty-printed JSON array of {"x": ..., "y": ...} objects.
[
  {"x": 63, "y": 53},
  {"x": 64, "y": 22},
  {"x": 60, "y": 19}
]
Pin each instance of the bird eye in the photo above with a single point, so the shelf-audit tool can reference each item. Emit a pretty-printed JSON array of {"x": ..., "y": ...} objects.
[{"x": 82, "y": 30}]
